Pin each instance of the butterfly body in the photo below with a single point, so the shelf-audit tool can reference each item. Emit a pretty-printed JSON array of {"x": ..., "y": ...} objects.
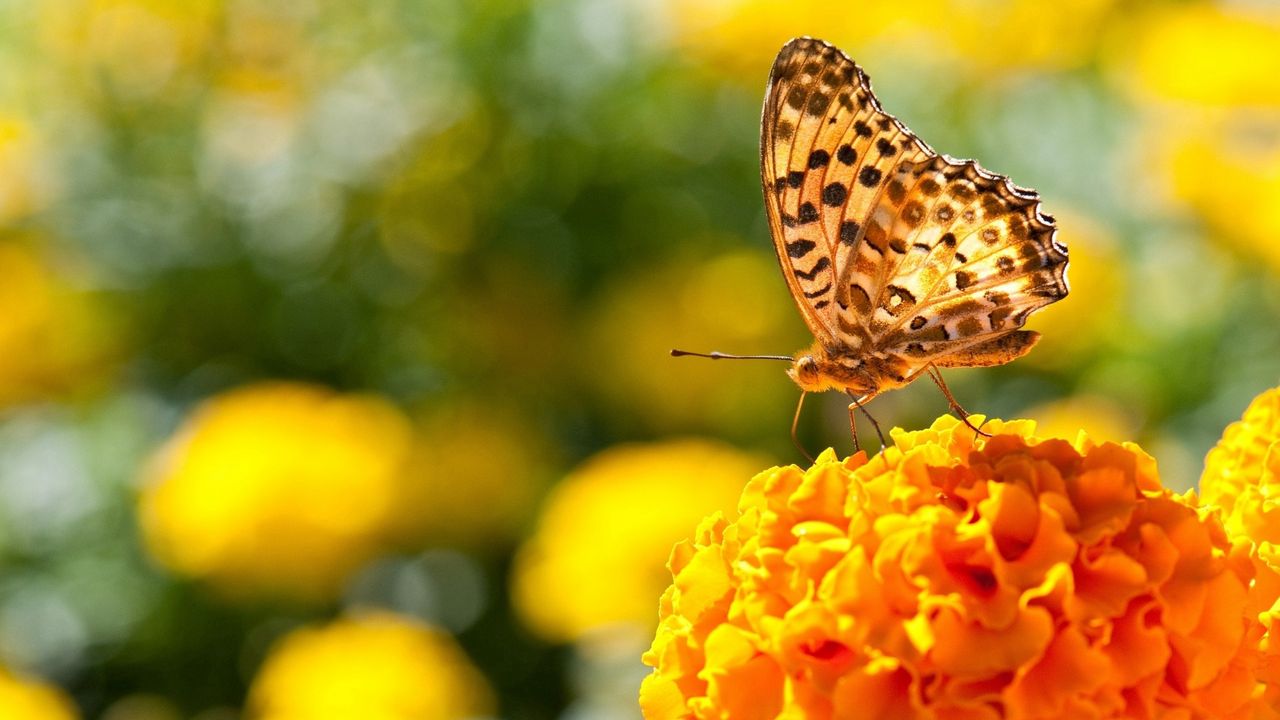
[
  {"x": 863, "y": 376},
  {"x": 899, "y": 259}
]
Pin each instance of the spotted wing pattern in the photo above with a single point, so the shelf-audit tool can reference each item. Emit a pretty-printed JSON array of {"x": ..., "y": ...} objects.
[
  {"x": 826, "y": 149},
  {"x": 888, "y": 247}
]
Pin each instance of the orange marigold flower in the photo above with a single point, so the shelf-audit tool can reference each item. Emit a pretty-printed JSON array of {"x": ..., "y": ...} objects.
[
  {"x": 1241, "y": 482},
  {"x": 954, "y": 576},
  {"x": 1243, "y": 468}
]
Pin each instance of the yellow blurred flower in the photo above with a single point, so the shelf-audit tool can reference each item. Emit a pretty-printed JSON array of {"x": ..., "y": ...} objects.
[
  {"x": 1206, "y": 73},
  {"x": 1207, "y": 53},
  {"x": 33, "y": 700},
  {"x": 375, "y": 667},
  {"x": 53, "y": 339},
  {"x": 960, "y": 577},
  {"x": 742, "y": 34},
  {"x": 605, "y": 530},
  {"x": 138, "y": 47},
  {"x": 278, "y": 488},
  {"x": 1227, "y": 169}
]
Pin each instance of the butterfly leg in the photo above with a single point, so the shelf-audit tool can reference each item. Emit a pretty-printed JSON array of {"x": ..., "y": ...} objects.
[
  {"x": 795, "y": 422},
  {"x": 936, "y": 376},
  {"x": 853, "y": 427}
]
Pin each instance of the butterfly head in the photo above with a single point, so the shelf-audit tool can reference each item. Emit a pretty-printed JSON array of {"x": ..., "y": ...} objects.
[
  {"x": 814, "y": 371},
  {"x": 804, "y": 371}
]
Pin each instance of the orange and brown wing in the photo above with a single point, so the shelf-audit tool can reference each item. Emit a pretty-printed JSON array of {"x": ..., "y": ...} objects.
[
  {"x": 827, "y": 150},
  {"x": 977, "y": 257}
]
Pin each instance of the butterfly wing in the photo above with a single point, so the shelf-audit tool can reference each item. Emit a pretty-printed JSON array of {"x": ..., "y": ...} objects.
[
  {"x": 975, "y": 257},
  {"x": 826, "y": 148},
  {"x": 889, "y": 248}
]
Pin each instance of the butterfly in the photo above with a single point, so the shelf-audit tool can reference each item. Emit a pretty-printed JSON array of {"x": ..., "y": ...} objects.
[{"x": 901, "y": 261}]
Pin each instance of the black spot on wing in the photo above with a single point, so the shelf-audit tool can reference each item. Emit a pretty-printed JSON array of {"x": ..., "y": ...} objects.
[
  {"x": 913, "y": 213},
  {"x": 835, "y": 194},
  {"x": 848, "y": 232},
  {"x": 818, "y": 103},
  {"x": 796, "y": 97},
  {"x": 896, "y": 191},
  {"x": 808, "y": 213},
  {"x": 822, "y": 264},
  {"x": 799, "y": 248},
  {"x": 817, "y": 293}
]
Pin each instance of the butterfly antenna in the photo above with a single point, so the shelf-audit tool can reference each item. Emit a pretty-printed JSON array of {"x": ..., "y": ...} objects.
[
  {"x": 714, "y": 355},
  {"x": 936, "y": 376},
  {"x": 795, "y": 422}
]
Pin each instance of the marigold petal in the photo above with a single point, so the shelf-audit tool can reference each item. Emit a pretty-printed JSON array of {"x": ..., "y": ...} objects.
[
  {"x": 662, "y": 699},
  {"x": 702, "y": 582},
  {"x": 1068, "y": 667},
  {"x": 874, "y": 691},
  {"x": 749, "y": 691},
  {"x": 1212, "y": 645},
  {"x": 1137, "y": 645},
  {"x": 1105, "y": 584},
  {"x": 1105, "y": 492},
  {"x": 1014, "y": 516},
  {"x": 966, "y": 649}
]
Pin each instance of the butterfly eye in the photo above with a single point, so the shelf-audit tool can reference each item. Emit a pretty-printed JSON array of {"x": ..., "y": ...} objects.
[{"x": 807, "y": 370}]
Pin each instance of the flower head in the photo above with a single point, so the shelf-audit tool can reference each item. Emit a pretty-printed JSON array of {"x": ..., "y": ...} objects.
[
  {"x": 278, "y": 488},
  {"x": 33, "y": 700},
  {"x": 954, "y": 576},
  {"x": 380, "y": 667},
  {"x": 54, "y": 339},
  {"x": 1241, "y": 481},
  {"x": 1206, "y": 53}
]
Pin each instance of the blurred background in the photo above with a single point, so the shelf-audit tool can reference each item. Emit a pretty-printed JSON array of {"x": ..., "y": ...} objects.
[{"x": 333, "y": 335}]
